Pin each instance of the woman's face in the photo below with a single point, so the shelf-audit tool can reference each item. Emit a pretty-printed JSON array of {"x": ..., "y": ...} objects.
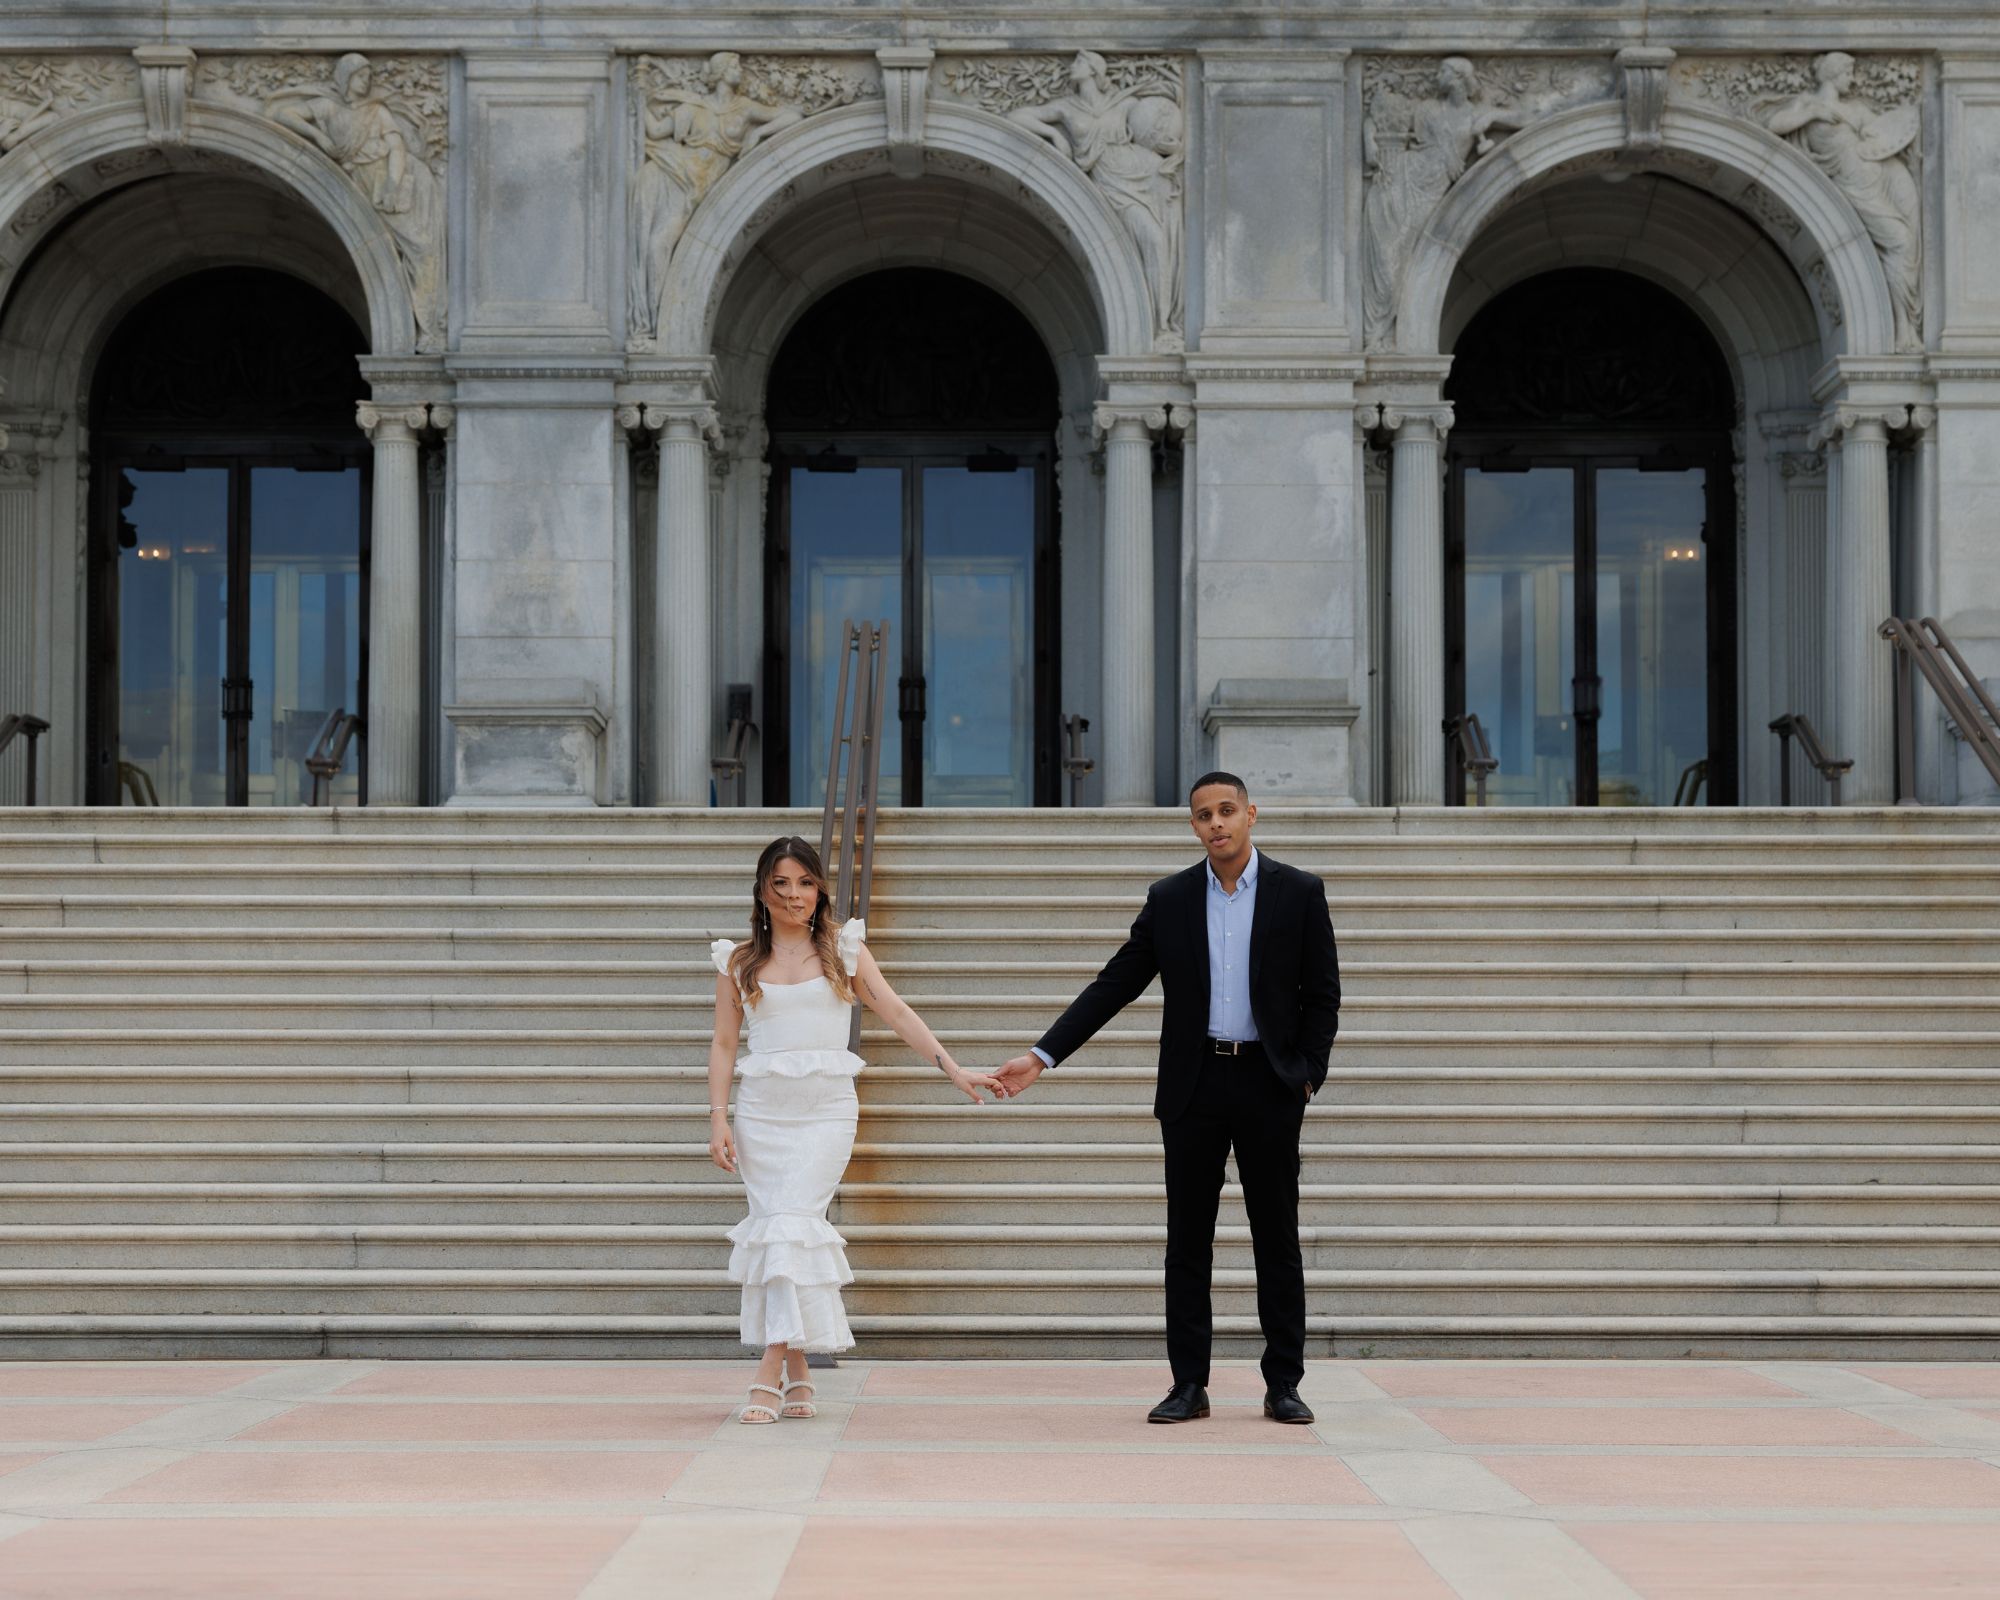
[
  {"x": 790, "y": 895},
  {"x": 358, "y": 84}
]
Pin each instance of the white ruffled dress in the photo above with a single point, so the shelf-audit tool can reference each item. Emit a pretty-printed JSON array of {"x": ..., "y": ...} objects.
[{"x": 795, "y": 1118}]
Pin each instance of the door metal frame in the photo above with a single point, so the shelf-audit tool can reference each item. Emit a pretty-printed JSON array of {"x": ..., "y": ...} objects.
[
  {"x": 910, "y": 453},
  {"x": 1585, "y": 452},
  {"x": 112, "y": 455}
]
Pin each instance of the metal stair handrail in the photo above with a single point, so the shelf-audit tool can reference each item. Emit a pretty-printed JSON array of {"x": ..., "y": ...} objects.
[
  {"x": 24, "y": 725},
  {"x": 329, "y": 750},
  {"x": 1467, "y": 739},
  {"x": 1797, "y": 725},
  {"x": 1923, "y": 644},
  {"x": 1075, "y": 763},
  {"x": 857, "y": 730}
]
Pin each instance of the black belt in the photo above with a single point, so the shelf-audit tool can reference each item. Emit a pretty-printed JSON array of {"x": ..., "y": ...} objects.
[{"x": 1234, "y": 1047}]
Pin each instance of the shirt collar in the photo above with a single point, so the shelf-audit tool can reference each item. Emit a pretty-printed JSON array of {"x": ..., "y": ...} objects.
[{"x": 1247, "y": 881}]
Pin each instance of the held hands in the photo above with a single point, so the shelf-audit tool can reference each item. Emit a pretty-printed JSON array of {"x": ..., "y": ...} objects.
[
  {"x": 970, "y": 1083},
  {"x": 1016, "y": 1076},
  {"x": 721, "y": 1147}
]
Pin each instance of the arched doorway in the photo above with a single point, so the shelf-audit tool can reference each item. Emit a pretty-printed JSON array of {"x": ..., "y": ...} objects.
[
  {"x": 1591, "y": 545},
  {"x": 912, "y": 416},
  {"x": 229, "y": 517}
]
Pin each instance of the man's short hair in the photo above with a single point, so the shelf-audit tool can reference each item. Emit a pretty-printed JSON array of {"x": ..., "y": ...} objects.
[{"x": 1210, "y": 779}]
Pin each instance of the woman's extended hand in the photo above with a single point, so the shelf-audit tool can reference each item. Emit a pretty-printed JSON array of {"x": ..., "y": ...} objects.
[
  {"x": 970, "y": 1083},
  {"x": 721, "y": 1148}
]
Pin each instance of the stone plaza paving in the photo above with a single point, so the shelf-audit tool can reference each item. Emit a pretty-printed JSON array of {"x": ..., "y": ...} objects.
[{"x": 375, "y": 1480}]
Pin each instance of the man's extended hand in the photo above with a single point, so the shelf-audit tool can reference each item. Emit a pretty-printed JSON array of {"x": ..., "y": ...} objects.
[{"x": 1016, "y": 1075}]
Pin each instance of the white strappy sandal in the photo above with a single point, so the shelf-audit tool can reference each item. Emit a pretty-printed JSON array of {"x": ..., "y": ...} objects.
[
  {"x": 757, "y": 1412},
  {"x": 799, "y": 1410}
]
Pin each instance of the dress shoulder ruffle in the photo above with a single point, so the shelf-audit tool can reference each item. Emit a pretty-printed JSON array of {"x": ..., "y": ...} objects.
[
  {"x": 853, "y": 934},
  {"x": 720, "y": 952}
]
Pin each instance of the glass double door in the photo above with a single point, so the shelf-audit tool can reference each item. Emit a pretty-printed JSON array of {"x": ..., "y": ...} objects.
[
  {"x": 1590, "y": 630},
  {"x": 236, "y": 590},
  {"x": 949, "y": 544}
]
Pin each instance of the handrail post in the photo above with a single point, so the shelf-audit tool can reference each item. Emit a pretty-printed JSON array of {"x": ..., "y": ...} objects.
[
  {"x": 1783, "y": 728},
  {"x": 1906, "y": 734}
]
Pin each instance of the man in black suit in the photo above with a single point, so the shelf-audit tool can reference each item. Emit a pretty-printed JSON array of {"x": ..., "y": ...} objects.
[{"x": 1243, "y": 948}]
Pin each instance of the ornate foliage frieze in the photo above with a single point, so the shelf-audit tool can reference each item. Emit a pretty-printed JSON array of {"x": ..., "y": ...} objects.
[
  {"x": 383, "y": 121},
  {"x": 693, "y": 120},
  {"x": 36, "y": 92},
  {"x": 1424, "y": 120},
  {"x": 1122, "y": 120}
]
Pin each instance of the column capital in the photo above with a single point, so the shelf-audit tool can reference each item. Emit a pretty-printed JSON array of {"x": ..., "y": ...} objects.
[
  {"x": 382, "y": 422},
  {"x": 1110, "y": 421},
  {"x": 1418, "y": 421},
  {"x": 443, "y": 416},
  {"x": 1923, "y": 418},
  {"x": 1867, "y": 421},
  {"x": 672, "y": 421}
]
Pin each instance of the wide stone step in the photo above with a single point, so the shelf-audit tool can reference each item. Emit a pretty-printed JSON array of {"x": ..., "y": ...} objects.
[
  {"x": 1527, "y": 1203},
  {"x": 419, "y": 1082},
  {"x": 934, "y": 984},
  {"x": 1017, "y": 1015},
  {"x": 1002, "y": 954},
  {"x": 497, "y": 1291},
  {"x": 878, "y": 1247},
  {"x": 1135, "y": 1160},
  {"x": 998, "y": 1127}
]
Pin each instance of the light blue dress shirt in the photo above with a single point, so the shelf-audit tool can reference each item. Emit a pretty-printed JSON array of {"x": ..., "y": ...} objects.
[{"x": 1229, "y": 917}]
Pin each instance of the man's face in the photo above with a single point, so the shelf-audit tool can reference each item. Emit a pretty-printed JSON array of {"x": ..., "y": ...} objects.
[{"x": 1222, "y": 820}]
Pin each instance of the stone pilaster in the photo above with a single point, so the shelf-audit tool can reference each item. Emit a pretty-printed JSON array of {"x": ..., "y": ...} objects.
[
  {"x": 1416, "y": 607},
  {"x": 395, "y": 603},
  {"x": 1128, "y": 432}
]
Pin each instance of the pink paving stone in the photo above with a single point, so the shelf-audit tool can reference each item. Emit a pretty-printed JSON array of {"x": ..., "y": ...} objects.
[
  {"x": 1023, "y": 1477},
  {"x": 1144, "y": 1381},
  {"x": 502, "y": 1380},
  {"x": 1980, "y": 1382},
  {"x": 1669, "y": 1561},
  {"x": 72, "y": 1424},
  {"x": 16, "y": 1463},
  {"x": 63, "y": 1381},
  {"x": 1070, "y": 1424},
  {"x": 294, "y": 1558},
  {"x": 1798, "y": 1482},
  {"x": 1559, "y": 1381},
  {"x": 1659, "y": 1425},
  {"x": 842, "y": 1558},
  {"x": 470, "y": 1422},
  {"x": 356, "y": 1477}
]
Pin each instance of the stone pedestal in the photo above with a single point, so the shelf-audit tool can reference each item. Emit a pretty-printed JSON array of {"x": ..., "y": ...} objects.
[
  {"x": 539, "y": 748},
  {"x": 1285, "y": 737}
]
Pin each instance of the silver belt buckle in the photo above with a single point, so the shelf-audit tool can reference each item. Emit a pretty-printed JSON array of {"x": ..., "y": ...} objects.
[{"x": 1227, "y": 1047}]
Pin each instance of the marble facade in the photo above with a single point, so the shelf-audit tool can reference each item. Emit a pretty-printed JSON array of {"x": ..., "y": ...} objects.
[{"x": 575, "y": 242}]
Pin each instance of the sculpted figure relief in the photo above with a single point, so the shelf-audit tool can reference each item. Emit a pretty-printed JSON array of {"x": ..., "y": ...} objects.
[
  {"x": 1866, "y": 152},
  {"x": 39, "y": 91},
  {"x": 380, "y": 144},
  {"x": 1130, "y": 142},
  {"x": 1412, "y": 151}
]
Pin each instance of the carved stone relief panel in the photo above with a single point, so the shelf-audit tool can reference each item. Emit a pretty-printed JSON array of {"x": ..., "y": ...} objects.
[
  {"x": 693, "y": 119},
  {"x": 1856, "y": 118},
  {"x": 36, "y": 92},
  {"x": 1424, "y": 121},
  {"x": 1122, "y": 120},
  {"x": 382, "y": 120}
]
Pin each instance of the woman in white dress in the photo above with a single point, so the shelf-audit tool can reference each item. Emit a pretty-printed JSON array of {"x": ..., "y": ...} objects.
[{"x": 794, "y": 980}]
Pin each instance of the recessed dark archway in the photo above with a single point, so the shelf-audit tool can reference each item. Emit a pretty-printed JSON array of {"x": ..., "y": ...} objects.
[
  {"x": 1591, "y": 544},
  {"x": 229, "y": 562},
  {"x": 912, "y": 414}
]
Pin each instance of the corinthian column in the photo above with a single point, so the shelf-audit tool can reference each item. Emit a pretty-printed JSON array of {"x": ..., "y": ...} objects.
[
  {"x": 1416, "y": 604},
  {"x": 395, "y": 605},
  {"x": 1863, "y": 672},
  {"x": 1128, "y": 600},
  {"x": 680, "y": 609}
]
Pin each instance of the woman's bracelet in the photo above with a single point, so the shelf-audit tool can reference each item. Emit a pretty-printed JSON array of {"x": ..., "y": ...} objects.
[{"x": 718, "y": 1108}]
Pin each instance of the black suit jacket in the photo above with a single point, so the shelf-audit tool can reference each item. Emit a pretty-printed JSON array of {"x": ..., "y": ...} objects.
[{"x": 1294, "y": 980}]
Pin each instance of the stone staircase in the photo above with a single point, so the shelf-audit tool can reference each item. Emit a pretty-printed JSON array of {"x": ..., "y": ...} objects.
[{"x": 431, "y": 1082}]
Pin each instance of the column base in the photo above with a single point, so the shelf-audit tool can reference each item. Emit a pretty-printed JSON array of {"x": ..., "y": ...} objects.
[
  {"x": 1287, "y": 738},
  {"x": 519, "y": 753}
]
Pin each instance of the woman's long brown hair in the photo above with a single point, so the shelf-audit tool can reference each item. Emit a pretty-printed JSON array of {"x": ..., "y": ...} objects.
[{"x": 748, "y": 958}]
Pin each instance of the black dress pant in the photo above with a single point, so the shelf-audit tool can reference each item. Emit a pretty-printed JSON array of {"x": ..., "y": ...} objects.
[{"x": 1238, "y": 1102}]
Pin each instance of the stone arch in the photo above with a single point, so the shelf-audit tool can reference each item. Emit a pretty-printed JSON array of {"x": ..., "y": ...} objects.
[
  {"x": 841, "y": 146},
  {"x": 49, "y": 176},
  {"x": 1830, "y": 248}
]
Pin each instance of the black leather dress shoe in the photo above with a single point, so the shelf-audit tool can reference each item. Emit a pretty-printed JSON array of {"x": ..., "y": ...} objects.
[
  {"x": 1282, "y": 1404},
  {"x": 1184, "y": 1403}
]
